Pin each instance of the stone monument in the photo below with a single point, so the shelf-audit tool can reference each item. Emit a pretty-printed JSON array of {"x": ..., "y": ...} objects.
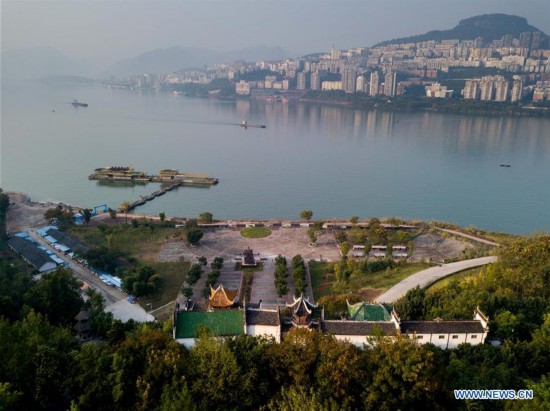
[{"x": 249, "y": 260}]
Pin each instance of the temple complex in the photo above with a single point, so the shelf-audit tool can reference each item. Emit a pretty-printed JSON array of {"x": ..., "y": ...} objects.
[{"x": 364, "y": 323}]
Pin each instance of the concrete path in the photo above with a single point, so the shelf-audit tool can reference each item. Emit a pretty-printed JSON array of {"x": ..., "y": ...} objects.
[
  {"x": 426, "y": 277},
  {"x": 468, "y": 236}
]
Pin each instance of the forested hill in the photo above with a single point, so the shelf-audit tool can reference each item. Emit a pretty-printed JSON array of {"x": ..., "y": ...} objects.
[{"x": 489, "y": 26}]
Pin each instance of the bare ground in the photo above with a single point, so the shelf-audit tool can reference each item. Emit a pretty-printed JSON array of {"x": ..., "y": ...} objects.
[
  {"x": 437, "y": 248},
  {"x": 24, "y": 213}
]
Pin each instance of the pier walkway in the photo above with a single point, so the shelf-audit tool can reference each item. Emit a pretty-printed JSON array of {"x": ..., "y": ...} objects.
[
  {"x": 152, "y": 196},
  {"x": 469, "y": 237},
  {"x": 429, "y": 276}
]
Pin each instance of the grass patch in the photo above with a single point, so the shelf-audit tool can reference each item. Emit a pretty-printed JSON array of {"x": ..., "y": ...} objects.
[
  {"x": 385, "y": 279},
  {"x": 172, "y": 276},
  {"x": 368, "y": 284},
  {"x": 143, "y": 243},
  {"x": 256, "y": 232},
  {"x": 444, "y": 282},
  {"x": 322, "y": 278}
]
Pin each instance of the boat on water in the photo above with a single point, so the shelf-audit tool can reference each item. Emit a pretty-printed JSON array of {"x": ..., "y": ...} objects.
[
  {"x": 77, "y": 103},
  {"x": 505, "y": 165},
  {"x": 244, "y": 124}
]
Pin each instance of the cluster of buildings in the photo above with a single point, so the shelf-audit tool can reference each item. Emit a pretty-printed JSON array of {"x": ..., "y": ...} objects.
[
  {"x": 493, "y": 88},
  {"x": 364, "y": 322},
  {"x": 41, "y": 258},
  {"x": 387, "y": 70},
  {"x": 541, "y": 91}
]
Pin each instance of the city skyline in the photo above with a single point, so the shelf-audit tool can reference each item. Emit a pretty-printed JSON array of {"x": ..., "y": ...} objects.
[{"x": 83, "y": 29}]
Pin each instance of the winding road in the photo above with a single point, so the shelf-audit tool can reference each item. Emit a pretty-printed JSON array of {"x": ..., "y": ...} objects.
[{"x": 429, "y": 276}]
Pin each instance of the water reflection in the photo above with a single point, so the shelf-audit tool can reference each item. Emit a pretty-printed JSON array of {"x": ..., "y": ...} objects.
[{"x": 333, "y": 159}]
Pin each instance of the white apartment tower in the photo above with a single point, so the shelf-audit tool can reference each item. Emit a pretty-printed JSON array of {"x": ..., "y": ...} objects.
[
  {"x": 471, "y": 90},
  {"x": 501, "y": 89},
  {"x": 390, "y": 83},
  {"x": 487, "y": 88},
  {"x": 315, "y": 81},
  {"x": 374, "y": 83},
  {"x": 517, "y": 89},
  {"x": 361, "y": 85}
]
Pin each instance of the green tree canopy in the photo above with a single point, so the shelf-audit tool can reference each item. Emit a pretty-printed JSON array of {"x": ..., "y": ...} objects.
[
  {"x": 206, "y": 217},
  {"x": 194, "y": 236},
  {"x": 306, "y": 214}
]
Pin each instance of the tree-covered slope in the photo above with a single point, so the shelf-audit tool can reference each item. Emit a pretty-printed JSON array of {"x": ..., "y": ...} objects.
[{"x": 489, "y": 26}]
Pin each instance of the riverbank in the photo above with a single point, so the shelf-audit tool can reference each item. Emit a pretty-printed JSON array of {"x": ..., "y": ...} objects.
[
  {"x": 402, "y": 103},
  {"x": 415, "y": 104}
]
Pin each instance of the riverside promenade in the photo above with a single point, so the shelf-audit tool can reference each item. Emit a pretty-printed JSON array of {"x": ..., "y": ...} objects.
[{"x": 429, "y": 276}]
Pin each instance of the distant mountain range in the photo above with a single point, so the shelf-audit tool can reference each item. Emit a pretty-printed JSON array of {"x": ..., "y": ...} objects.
[
  {"x": 489, "y": 26},
  {"x": 38, "y": 62},
  {"x": 178, "y": 58}
]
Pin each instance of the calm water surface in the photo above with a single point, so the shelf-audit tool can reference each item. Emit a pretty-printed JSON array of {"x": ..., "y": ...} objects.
[{"x": 336, "y": 161}]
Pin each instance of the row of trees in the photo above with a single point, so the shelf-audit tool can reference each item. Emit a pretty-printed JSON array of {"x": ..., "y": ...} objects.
[
  {"x": 143, "y": 369},
  {"x": 299, "y": 274},
  {"x": 281, "y": 275}
]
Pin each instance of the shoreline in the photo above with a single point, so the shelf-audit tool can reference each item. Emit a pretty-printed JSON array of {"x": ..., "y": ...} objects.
[{"x": 24, "y": 214}]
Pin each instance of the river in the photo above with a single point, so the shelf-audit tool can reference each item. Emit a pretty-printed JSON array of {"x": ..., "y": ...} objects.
[{"x": 333, "y": 160}]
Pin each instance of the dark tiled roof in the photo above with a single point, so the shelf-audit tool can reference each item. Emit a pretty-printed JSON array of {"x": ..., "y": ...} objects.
[
  {"x": 68, "y": 241},
  {"x": 29, "y": 251},
  {"x": 441, "y": 327},
  {"x": 262, "y": 317},
  {"x": 359, "y": 327}
]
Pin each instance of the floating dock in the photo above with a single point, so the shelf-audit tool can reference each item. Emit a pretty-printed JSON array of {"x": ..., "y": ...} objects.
[{"x": 128, "y": 174}]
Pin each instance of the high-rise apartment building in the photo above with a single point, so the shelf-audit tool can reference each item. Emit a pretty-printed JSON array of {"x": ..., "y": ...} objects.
[
  {"x": 487, "y": 88},
  {"x": 374, "y": 83},
  {"x": 335, "y": 54},
  {"x": 349, "y": 79},
  {"x": 507, "y": 40},
  {"x": 390, "y": 83},
  {"x": 361, "y": 84},
  {"x": 517, "y": 89},
  {"x": 471, "y": 89},
  {"x": 525, "y": 39},
  {"x": 501, "y": 88},
  {"x": 315, "y": 81},
  {"x": 301, "y": 81}
]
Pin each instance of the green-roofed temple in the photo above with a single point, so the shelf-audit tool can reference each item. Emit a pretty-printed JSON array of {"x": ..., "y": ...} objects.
[{"x": 364, "y": 322}]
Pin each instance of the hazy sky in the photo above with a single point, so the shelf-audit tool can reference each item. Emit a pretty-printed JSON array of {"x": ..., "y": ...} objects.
[{"x": 107, "y": 31}]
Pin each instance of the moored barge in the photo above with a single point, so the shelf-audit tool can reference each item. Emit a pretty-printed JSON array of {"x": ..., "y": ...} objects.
[{"x": 128, "y": 174}]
